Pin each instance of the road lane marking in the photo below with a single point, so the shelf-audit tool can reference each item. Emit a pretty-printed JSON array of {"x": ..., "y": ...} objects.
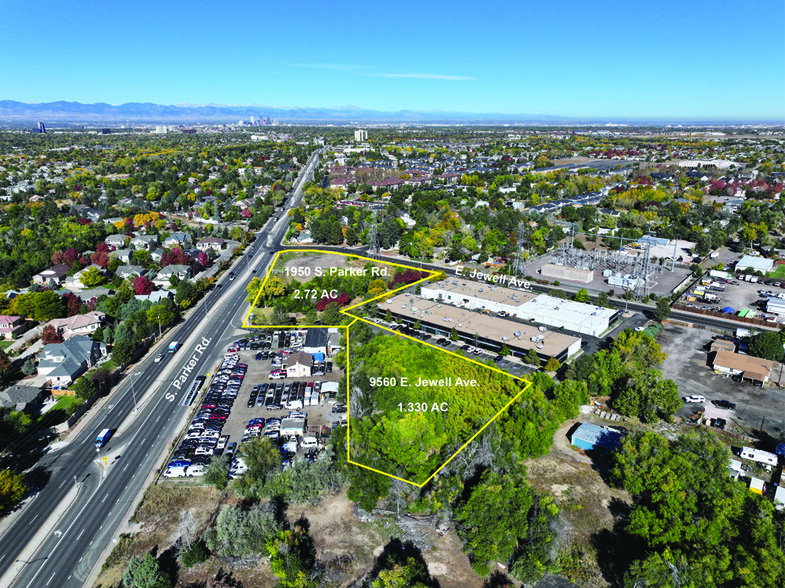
[
  {"x": 62, "y": 484},
  {"x": 52, "y": 578},
  {"x": 80, "y": 535},
  {"x": 34, "y": 518},
  {"x": 105, "y": 497}
]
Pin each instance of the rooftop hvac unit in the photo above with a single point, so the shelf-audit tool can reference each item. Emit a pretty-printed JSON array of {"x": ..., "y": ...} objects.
[
  {"x": 542, "y": 329},
  {"x": 414, "y": 308},
  {"x": 447, "y": 319},
  {"x": 455, "y": 282},
  {"x": 403, "y": 307},
  {"x": 517, "y": 334},
  {"x": 505, "y": 338},
  {"x": 594, "y": 314},
  {"x": 480, "y": 290},
  {"x": 438, "y": 306},
  {"x": 460, "y": 325},
  {"x": 534, "y": 339},
  {"x": 540, "y": 346}
]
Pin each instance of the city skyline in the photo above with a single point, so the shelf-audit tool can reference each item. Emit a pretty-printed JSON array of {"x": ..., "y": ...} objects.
[{"x": 702, "y": 61}]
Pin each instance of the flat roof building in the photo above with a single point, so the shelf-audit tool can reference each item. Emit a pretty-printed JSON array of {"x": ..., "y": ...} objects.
[
  {"x": 758, "y": 264},
  {"x": 586, "y": 319},
  {"x": 481, "y": 329}
]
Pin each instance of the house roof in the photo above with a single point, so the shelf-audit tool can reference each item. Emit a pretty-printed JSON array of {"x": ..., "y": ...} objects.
[
  {"x": 753, "y": 368},
  {"x": 78, "y": 321},
  {"x": 14, "y": 395},
  {"x": 315, "y": 338},
  {"x": 300, "y": 357}
]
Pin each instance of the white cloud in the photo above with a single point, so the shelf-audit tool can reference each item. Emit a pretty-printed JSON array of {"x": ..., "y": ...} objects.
[{"x": 423, "y": 76}]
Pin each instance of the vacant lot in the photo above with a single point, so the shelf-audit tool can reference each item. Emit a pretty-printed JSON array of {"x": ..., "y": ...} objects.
[{"x": 346, "y": 545}]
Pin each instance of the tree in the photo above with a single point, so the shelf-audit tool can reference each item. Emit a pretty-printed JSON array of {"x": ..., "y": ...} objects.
[
  {"x": 662, "y": 310},
  {"x": 123, "y": 351},
  {"x": 145, "y": 573},
  {"x": 699, "y": 527},
  {"x": 84, "y": 388},
  {"x": 603, "y": 299},
  {"x": 5, "y": 362},
  {"x": 240, "y": 532},
  {"x": 217, "y": 472},
  {"x": 12, "y": 488},
  {"x": 767, "y": 345},
  {"x": 28, "y": 368},
  {"x": 92, "y": 277},
  {"x": 552, "y": 365},
  {"x": 532, "y": 358},
  {"x": 331, "y": 314},
  {"x": 186, "y": 294},
  {"x": 252, "y": 289},
  {"x": 261, "y": 457},
  {"x": 638, "y": 349},
  {"x": 505, "y": 351},
  {"x": 582, "y": 295},
  {"x": 161, "y": 315},
  {"x": 101, "y": 377},
  {"x": 50, "y": 335},
  {"x": 492, "y": 520},
  {"x": 293, "y": 558},
  {"x": 143, "y": 285}
]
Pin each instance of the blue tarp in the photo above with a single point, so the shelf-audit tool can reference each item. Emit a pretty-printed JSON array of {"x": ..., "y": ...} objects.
[
  {"x": 318, "y": 356},
  {"x": 728, "y": 310}
]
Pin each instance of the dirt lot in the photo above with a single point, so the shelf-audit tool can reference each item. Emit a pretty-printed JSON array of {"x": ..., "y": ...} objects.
[
  {"x": 343, "y": 543},
  {"x": 686, "y": 365}
]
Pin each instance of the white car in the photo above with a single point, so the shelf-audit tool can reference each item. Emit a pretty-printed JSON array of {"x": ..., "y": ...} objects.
[
  {"x": 222, "y": 442},
  {"x": 175, "y": 472},
  {"x": 695, "y": 398},
  {"x": 158, "y": 357},
  {"x": 309, "y": 443},
  {"x": 196, "y": 470}
]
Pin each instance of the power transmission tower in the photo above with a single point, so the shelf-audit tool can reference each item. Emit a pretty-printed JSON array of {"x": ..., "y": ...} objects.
[
  {"x": 520, "y": 265},
  {"x": 373, "y": 238}
]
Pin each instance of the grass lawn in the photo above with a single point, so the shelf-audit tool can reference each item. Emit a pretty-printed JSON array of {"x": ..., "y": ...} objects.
[
  {"x": 68, "y": 404},
  {"x": 779, "y": 272},
  {"x": 5, "y": 344}
]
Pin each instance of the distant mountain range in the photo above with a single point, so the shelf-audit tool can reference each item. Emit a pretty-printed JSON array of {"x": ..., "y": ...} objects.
[
  {"x": 62, "y": 111},
  {"x": 21, "y": 113}
]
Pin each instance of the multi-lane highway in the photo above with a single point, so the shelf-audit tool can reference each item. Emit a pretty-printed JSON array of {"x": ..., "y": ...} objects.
[{"x": 59, "y": 537}]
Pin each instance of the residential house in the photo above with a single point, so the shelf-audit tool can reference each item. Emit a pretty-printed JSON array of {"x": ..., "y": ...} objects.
[
  {"x": 178, "y": 239},
  {"x": 146, "y": 242},
  {"x": 214, "y": 243},
  {"x": 83, "y": 211},
  {"x": 54, "y": 276},
  {"x": 63, "y": 362},
  {"x": 123, "y": 255},
  {"x": 79, "y": 324},
  {"x": 126, "y": 271},
  {"x": 75, "y": 282},
  {"x": 155, "y": 297},
  {"x": 116, "y": 241},
  {"x": 156, "y": 254},
  {"x": 181, "y": 271},
  {"x": 22, "y": 398},
  {"x": 12, "y": 326}
]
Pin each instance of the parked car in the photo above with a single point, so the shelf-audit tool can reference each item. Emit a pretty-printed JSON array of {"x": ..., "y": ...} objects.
[
  {"x": 724, "y": 404},
  {"x": 695, "y": 398}
]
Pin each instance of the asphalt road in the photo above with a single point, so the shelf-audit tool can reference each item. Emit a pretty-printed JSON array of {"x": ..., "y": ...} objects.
[{"x": 64, "y": 552}]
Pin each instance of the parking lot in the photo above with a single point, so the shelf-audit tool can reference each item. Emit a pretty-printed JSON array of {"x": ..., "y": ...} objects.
[
  {"x": 686, "y": 365},
  {"x": 511, "y": 365},
  {"x": 241, "y": 391},
  {"x": 739, "y": 295}
]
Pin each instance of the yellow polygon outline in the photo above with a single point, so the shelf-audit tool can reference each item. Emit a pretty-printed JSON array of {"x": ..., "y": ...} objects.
[{"x": 348, "y": 352}]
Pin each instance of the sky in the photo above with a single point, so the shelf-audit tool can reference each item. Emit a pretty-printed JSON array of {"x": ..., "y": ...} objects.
[{"x": 719, "y": 59}]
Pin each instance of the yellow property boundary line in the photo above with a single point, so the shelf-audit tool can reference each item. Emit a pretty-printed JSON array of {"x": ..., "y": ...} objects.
[{"x": 345, "y": 311}]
